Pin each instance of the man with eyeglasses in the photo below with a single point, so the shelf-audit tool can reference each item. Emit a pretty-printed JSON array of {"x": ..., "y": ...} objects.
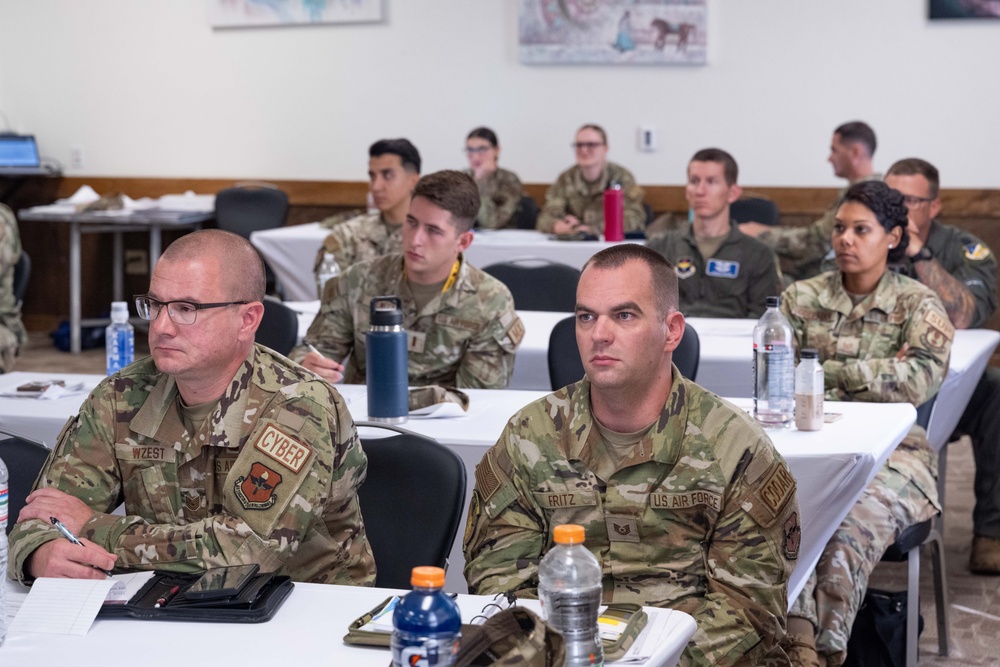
[
  {"x": 961, "y": 269},
  {"x": 223, "y": 452},
  {"x": 393, "y": 171},
  {"x": 574, "y": 204}
]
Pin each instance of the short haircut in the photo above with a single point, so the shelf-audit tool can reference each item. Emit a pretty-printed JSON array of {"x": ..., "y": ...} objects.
[
  {"x": 453, "y": 191},
  {"x": 888, "y": 207},
  {"x": 484, "y": 133},
  {"x": 595, "y": 128},
  {"x": 664, "y": 276},
  {"x": 729, "y": 167},
  {"x": 407, "y": 152},
  {"x": 858, "y": 132},
  {"x": 914, "y": 166},
  {"x": 242, "y": 266}
]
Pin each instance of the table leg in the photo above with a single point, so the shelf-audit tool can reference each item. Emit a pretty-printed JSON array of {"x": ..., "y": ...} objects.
[
  {"x": 119, "y": 262},
  {"x": 74, "y": 287}
]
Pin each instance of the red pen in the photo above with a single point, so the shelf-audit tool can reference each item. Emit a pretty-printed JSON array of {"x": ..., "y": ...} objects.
[{"x": 166, "y": 597}]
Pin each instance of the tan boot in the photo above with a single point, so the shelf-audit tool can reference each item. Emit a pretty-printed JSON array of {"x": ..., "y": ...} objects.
[
  {"x": 800, "y": 643},
  {"x": 985, "y": 556}
]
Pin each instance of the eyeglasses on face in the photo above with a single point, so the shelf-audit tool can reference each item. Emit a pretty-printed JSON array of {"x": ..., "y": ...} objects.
[
  {"x": 180, "y": 312},
  {"x": 913, "y": 200},
  {"x": 586, "y": 145},
  {"x": 475, "y": 150}
]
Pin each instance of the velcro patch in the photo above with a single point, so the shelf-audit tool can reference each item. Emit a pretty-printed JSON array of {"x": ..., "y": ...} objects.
[
  {"x": 721, "y": 268},
  {"x": 976, "y": 251},
  {"x": 940, "y": 322},
  {"x": 686, "y": 500},
  {"x": 516, "y": 331},
  {"x": 555, "y": 500},
  {"x": 685, "y": 267},
  {"x": 762, "y": 460},
  {"x": 456, "y": 322},
  {"x": 778, "y": 487},
  {"x": 622, "y": 529},
  {"x": 144, "y": 453},
  {"x": 255, "y": 491},
  {"x": 224, "y": 464},
  {"x": 283, "y": 448},
  {"x": 793, "y": 536},
  {"x": 487, "y": 479}
]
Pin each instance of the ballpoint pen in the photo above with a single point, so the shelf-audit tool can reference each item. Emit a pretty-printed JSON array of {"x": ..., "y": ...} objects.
[
  {"x": 166, "y": 597},
  {"x": 65, "y": 532}
]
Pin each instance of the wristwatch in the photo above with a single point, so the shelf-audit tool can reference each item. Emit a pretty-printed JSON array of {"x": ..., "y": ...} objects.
[{"x": 922, "y": 255}]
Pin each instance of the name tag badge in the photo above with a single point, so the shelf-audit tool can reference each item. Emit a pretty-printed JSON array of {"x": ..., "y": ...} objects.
[
  {"x": 415, "y": 341},
  {"x": 557, "y": 500},
  {"x": 721, "y": 268}
]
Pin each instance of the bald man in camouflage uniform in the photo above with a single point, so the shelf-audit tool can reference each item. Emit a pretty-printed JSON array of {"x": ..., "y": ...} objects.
[
  {"x": 12, "y": 333},
  {"x": 462, "y": 329},
  {"x": 223, "y": 452},
  {"x": 891, "y": 347},
  {"x": 684, "y": 500}
]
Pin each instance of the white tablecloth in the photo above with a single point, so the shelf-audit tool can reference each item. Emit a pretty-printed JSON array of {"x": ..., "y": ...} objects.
[
  {"x": 307, "y": 630},
  {"x": 290, "y": 252},
  {"x": 832, "y": 466}
]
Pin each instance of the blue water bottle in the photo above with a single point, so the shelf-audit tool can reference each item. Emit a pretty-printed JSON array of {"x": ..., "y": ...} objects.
[
  {"x": 386, "y": 362},
  {"x": 426, "y": 624},
  {"x": 119, "y": 339}
]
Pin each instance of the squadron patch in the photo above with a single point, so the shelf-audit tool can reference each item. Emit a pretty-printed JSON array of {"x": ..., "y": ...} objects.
[
  {"x": 684, "y": 268},
  {"x": 976, "y": 252},
  {"x": 284, "y": 449},
  {"x": 793, "y": 536},
  {"x": 255, "y": 491},
  {"x": 939, "y": 331}
]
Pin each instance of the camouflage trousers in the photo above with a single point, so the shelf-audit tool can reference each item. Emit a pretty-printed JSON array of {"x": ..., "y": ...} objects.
[
  {"x": 834, "y": 590},
  {"x": 8, "y": 349}
]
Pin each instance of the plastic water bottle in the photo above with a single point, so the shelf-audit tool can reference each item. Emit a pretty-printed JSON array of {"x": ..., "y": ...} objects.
[
  {"x": 119, "y": 338},
  {"x": 386, "y": 362},
  {"x": 569, "y": 587},
  {"x": 4, "y": 499},
  {"x": 426, "y": 624},
  {"x": 809, "y": 391},
  {"x": 773, "y": 367},
  {"x": 328, "y": 270}
]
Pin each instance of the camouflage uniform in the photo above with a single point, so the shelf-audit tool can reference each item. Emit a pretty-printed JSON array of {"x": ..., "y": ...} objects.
[
  {"x": 499, "y": 195},
  {"x": 571, "y": 194},
  {"x": 466, "y": 337},
  {"x": 701, "y": 517},
  {"x": 271, "y": 477},
  {"x": 801, "y": 250},
  {"x": 735, "y": 282},
  {"x": 12, "y": 333},
  {"x": 857, "y": 345},
  {"x": 360, "y": 239}
]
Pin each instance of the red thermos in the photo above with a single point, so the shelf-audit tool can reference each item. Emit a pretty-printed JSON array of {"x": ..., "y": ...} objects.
[{"x": 614, "y": 213}]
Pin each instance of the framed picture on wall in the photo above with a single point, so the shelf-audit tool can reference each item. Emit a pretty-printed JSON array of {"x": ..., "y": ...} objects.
[
  {"x": 246, "y": 13},
  {"x": 964, "y": 9},
  {"x": 613, "y": 32}
]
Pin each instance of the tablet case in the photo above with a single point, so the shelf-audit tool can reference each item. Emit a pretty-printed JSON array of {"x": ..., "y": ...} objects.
[{"x": 256, "y": 602}]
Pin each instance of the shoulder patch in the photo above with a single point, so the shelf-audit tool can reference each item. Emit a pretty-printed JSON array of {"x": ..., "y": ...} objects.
[
  {"x": 941, "y": 323},
  {"x": 684, "y": 268},
  {"x": 283, "y": 448},
  {"x": 976, "y": 252},
  {"x": 792, "y": 534},
  {"x": 255, "y": 490},
  {"x": 777, "y": 488},
  {"x": 487, "y": 479},
  {"x": 761, "y": 461}
]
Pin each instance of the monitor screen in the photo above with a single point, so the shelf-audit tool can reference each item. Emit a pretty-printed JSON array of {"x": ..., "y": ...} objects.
[{"x": 18, "y": 151}]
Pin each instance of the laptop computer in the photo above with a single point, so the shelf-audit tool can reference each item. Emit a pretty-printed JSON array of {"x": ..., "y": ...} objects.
[{"x": 18, "y": 151}]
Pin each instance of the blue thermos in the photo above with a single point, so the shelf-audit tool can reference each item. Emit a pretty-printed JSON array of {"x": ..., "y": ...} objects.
[{"x": 386, "y": 361}]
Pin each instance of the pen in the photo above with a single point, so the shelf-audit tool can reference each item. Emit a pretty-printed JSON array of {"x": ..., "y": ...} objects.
[
  {"x": 312, "y": 348},
  {"x": 65, "y": 532},
  {"x": 166, "y": 597}
]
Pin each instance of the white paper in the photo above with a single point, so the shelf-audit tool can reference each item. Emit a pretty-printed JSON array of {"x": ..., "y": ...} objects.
[
  {"x": 61, "y": 606},
  {"x": 126, "y": 586}
]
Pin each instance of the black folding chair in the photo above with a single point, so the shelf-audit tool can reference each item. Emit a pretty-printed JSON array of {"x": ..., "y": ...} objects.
[
  {"x": 24, "y": 460},
  {"x": 538, "y": 284},
  {"x": 279, "y": 328}
]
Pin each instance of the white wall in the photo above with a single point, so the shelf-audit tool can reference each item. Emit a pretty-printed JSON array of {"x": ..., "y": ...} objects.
[{"x": 146, "y": 88}]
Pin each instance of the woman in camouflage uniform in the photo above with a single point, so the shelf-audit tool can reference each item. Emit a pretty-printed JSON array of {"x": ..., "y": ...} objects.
[
  {"x": 882, "y": 337},
  {"x": 500, "y": 190}
]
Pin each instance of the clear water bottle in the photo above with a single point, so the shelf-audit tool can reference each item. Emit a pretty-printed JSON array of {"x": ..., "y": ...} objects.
[
  {"x": 119, "y": 338},
  {"x": 569, "y": 587},
  {"x": 773, "y": 367},
  {"x": 426, "y": 624},
  {"x": 4, "y": 498},
  {"x": 809, "y": 391},
  {"x": 328, "y": 270}
]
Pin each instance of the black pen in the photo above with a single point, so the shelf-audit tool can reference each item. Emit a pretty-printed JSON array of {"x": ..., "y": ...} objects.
[{"x": 65, "y": 532}]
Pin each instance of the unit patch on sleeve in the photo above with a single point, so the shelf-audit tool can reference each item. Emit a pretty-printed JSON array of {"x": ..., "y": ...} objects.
[
  {"x": 976, "y": 251},
  {"x": 283, "y": 448},
  {"x": 793, "y": 536},
  {"x": 255, "y": 491},
  {"x": 685, "y": 268},
  {"x": 777, "y": 489}
]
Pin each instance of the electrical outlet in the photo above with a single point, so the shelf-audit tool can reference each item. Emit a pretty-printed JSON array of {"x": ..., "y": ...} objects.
[
  {"x": 647, "y": 138},
  {"x": 137, "y": 262},
  {"x": 76, "y": 157}
]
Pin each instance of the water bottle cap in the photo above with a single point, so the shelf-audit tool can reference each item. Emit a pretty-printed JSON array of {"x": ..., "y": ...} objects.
[
  {"x": 119, "y": 311},
  {"x": 773, "y": 301},
  {"x": 569, "y": 533},
  {"x": 386, "y": 311},
  {"x": 427, "y": 577},
  {"x": 809, "y": 353}
]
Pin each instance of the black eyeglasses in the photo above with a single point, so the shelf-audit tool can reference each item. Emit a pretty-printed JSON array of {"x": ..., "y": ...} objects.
[
  {"x": 180, "y": 312},
  {"x": 473, "y": 150},
  {"x": 587, "y": 145},
  {"x": 913, "y": 200}
]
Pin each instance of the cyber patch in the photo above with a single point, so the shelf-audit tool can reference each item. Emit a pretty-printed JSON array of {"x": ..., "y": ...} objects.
[
  {"x": 284, "y": 449},
  {"x": 255, "y": 491},
  {"x": 685, "y": 268},
  {"x": 976, "y": 252}
]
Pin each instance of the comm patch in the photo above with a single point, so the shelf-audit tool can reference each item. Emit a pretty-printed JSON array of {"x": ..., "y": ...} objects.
[
  {"x": 283, "y": 448},
  {"x": 777, "y": 488},
  {"x": 793, "y": 536},
  {"x": 976, "y": 252},
  {"x": 721, "y": 268},
  {"x": 685, "y": 268},
  {"x": 622, "y": 529},
  {"x": 255, "y": 491}
]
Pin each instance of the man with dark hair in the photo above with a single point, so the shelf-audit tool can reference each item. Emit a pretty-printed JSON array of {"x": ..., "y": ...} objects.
[
  {"x": 12, "y": 333},
  {"x": 801, "y": 249},
  {"x": 961, "y": 270},
  {"x": 683, "y": 498},
  {"x": 574, "y": 204},
  {"x": 462, "y": 330},
  {"x": 723, "y": 272},
  {"x": 393, "y": 171},
  {"x": 223, "y": 452}
]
